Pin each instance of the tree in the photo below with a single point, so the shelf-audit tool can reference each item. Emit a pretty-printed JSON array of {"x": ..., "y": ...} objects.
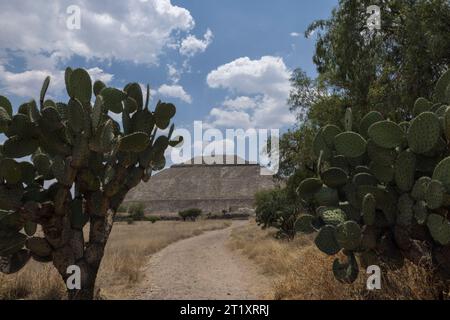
[
  {"x": 82, "y": 165},
  {"x": 388, "y": 69}
]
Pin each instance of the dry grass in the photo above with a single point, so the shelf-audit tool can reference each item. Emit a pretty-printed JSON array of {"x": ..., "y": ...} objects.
[
  {"x": 300, "y": 271},
  {"x": 127, "y": 251}
]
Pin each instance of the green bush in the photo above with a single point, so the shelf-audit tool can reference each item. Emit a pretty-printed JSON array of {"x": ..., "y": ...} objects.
[
  {"x": 274, "y": 208},
  {"x": 382, "y": 190},
  {"x": 152, "y": 219},
  {"x": 136, "y": 212},
  {"x": 190, "y": 214}
]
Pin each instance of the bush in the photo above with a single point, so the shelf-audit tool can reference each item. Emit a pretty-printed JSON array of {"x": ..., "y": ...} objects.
[
  {"x": 152, "y": 219},
  {"x": 275, "y": 209},
  {"x": 136, "y": 212},
  {"x": 190, "y": 214}
]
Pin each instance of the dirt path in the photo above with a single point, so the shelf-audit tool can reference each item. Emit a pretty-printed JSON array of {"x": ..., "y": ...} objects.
[{"x": 202, "y": 267}]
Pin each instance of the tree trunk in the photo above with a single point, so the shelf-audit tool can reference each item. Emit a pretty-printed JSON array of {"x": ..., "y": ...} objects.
[{"x": 73, "y": 251}]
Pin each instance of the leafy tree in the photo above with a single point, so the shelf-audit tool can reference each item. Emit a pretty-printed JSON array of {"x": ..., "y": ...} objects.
[
  {"x": 82, "y": 165},
  {"x": 387, "y": 69}
]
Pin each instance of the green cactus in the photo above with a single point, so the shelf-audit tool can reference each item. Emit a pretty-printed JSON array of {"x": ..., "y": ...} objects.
[
  {"x": 389, "y": 190},
  {"x": 81, "y": 167},
  {"x": 350, "y": 144},
  {"x": 369, "y": 209},
  {"x": 386, "y": 134},
  {"x": 368, "y": 120},
  {"x": 326, "y": 240},
  {"x": 334, "y": 177},
  {"x": 424, "y": 132}
]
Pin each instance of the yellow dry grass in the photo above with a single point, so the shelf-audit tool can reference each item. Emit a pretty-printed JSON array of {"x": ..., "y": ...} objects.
[
  {"x": 301, "y": 272},
  {"x": 127, "y": 251}
]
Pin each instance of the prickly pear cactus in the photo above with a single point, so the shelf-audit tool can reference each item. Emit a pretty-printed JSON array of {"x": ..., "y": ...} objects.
[
  {"x": 66, "y": 164},
  {"x": 383, "y": 191}
]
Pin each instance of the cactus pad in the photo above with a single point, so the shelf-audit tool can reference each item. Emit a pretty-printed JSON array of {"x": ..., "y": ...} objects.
[
  {"x": 442, "y": 173},
  {"x": 350, "y": 144},
  {"x": 308, "y": 187},
  {"x": 405, "y": 169},
  {"x": 439, "y": 228},
  {"x": 386, "y": 134},
  {"x": 405, "y": 208},
  {"x": 326, "y": 240},
  {"x": 331, "y": 216},
  {"x": 420, "y": 212},
  {"x": 346, "y": 272},
  {"x": 368, "y": 120},
  {"x": 348, "y": 235},
  {"x": 421, "y": 105},
  {"x": 434, "y": 196},
  {"x": 424, "y": 132},
  {"x": 334, "y": 177},
  {"x": 368, "y": 209},
  {"x": 441, "y": 86}
]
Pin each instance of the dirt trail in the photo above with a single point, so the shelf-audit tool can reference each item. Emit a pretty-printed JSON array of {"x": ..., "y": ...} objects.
[{"x": 202, "y": 267}]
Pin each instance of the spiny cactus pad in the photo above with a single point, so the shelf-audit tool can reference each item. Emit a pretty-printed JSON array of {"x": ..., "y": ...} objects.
[
  {"x": 369, "y": 209},
  {"x": 405, "y": 168},
  {"x": 442, "y": 173},
  {"x": 368, "y": 120},
  {"x": 348, "y": 235},
  {"x": 334, "y": 177},
  {"x": 346, "y": 272},
  {"x": 326, "y": 240},
  {"x": 439, "y": 228},
  {"x": 424, "y": 132},
  {"x": 386, "y": 134},
  {"x": 350, "y": 144}
]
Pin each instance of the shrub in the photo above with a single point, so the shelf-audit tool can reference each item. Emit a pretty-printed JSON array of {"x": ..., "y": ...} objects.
[
  {"x": 382, "y": 191},
  {"x": 190, "y": 214},
  {"x": 275, "y": 209},
  {"x": 153, "y": 219},
  {"x": 136, "y": 212}
]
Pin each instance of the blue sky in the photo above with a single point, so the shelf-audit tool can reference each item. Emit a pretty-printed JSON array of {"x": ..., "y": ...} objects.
[{"x": 223, "y": 62}]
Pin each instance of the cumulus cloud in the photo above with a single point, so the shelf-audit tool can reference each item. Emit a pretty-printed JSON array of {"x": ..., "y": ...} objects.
[
  {"x": 28, "y": 83},
  {"x": 241, "y": 103},
  {"x": 265, "y": 84},
  {"x": 36, "y": 32},
  {"x": 123, "y": 30},
  {"x": 174, "y": 91},
  {"x": 191, "y": 45}
]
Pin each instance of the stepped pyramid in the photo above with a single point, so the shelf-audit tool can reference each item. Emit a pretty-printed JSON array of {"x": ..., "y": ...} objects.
[{"x": 231, "y": 182}]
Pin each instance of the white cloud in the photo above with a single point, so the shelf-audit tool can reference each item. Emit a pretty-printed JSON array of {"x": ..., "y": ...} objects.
[
  {"x": 240, "y": 103},
  {"x": 175, "y": 91},
  {"x": 295, "y": 34},
  {"x": 173, "y": 73},
  {"x": 133, "y": 31},
  {"x": 28, "y": 83},
  {"x": 265, "y": 84},
  {"x": 191, "y": 45},
  {"x": 124, "y": 30}
]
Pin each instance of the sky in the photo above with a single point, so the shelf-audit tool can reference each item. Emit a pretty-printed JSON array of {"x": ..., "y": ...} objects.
[{"x": 226, "y": 63}]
